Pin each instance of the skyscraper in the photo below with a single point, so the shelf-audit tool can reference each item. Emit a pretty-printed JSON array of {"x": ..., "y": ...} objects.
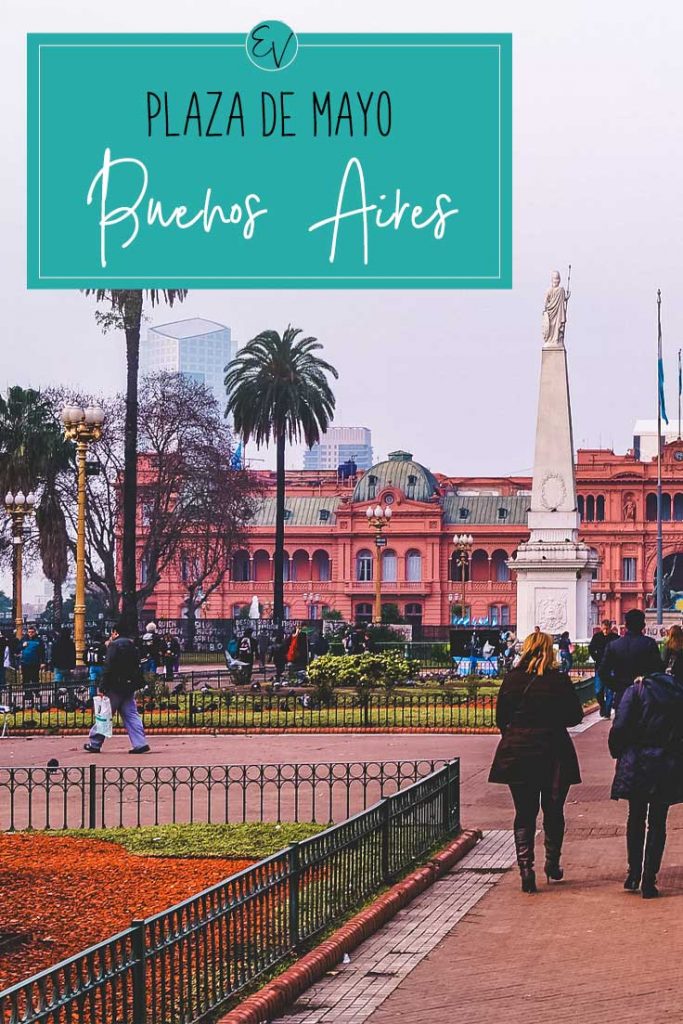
[
  {"x": 199, "y": 349},
  {"x": 339, "y": 445}
]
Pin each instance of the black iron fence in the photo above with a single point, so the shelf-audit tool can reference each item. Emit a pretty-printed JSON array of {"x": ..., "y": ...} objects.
[
  {"x": 180, "y": 965},
  {"x": 93, "y": 797},
  {"x": 468, "y": 706}
]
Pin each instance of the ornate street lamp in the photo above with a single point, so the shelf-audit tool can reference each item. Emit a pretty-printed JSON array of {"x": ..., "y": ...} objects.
[
  {"x": 378, "y": 518},
  {"x": 18, "y": 506},
  {"x": 313, "y": 600},
  {"x": 82, "y": 426},
  {"x": 461, "y": 557}
]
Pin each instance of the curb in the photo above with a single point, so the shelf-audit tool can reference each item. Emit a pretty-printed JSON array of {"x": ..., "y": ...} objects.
[
  {"x": 280, "y": 993},
  {"x": 356, "y": 730}
]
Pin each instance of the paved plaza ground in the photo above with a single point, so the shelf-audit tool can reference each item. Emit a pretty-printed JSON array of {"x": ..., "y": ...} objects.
[{"x": 581, "y": 950}]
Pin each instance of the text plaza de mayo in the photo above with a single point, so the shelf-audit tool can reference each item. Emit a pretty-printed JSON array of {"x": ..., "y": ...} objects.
[{"x": 330, "y": 548}]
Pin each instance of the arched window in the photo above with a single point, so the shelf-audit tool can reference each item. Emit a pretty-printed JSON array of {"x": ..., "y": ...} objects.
[
  {"x": 241, "y": 567},
  {"x": 261, "y": 566},
  {"x": 389, "y": 566},
  {"x": 580, "y": 505},
  {"x": 300, "y": 568},
  {"x": 363, "y": 613},
  {"x": 666, "y": 506},
  {"x": 286, "y": 567},
  {"x": 678, "y": 507},
  {"x": 320, "y": 565},
  {"x": 459, "y": 569},
  {"x": 590, "y": 508},
  {"x": 364, "y": 566},
  {"x": 651, "y": 508},
  {"x": 479, "y": 566},
  {"x": 501, "y": 573},
  {"x": 600, "y": 508},
  {"x": 413, "y": 567}
]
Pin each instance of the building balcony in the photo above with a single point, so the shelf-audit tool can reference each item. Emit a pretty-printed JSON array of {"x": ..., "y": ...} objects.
[
  {"x": 388, "y": 587},
  {"x": 486, "y": 587},
  {"x": 251, "y": 587}
]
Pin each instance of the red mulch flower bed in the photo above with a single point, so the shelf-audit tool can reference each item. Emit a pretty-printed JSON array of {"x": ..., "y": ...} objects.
[{"x": 71, "y": 893}]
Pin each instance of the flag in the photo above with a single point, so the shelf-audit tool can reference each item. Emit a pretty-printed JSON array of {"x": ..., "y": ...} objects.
[
  {"x": 660, "y": 362},
  {"x": 236, "y": 460},
  {"x": 680, "y": 375}
]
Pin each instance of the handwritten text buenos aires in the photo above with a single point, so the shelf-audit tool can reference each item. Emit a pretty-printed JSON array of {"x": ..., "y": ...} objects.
[{"x": 269, "y": 115}]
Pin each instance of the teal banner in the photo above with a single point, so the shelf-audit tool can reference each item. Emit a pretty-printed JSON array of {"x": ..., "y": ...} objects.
[{"x": 270, "y": 161}]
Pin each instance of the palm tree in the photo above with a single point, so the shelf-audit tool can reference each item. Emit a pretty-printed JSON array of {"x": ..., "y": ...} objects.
[
  {"x": 278, "y": 390},
  {"x": 126, "y": 314},
  {"x": 33, "y": 453}
]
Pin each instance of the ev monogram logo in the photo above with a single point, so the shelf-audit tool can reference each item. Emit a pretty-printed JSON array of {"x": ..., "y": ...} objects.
[{"x": 272, "y": 46}]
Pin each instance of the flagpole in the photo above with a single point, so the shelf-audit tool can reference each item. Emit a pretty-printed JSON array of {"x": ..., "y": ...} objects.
[
  {"x": 660, "y": 559},
  {"x": 680, "y": 389}
]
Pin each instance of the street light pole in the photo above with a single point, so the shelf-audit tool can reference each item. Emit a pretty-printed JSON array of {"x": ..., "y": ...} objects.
[
  {"x": 378, "y": 518},
  {"x": 18, "y": 506},
  {"x": 463, "y": 545},
  {"x": 82, "y": 426}
]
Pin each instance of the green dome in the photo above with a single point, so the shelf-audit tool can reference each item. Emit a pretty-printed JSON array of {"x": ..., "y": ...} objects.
[{"x": 399, "y": 471}]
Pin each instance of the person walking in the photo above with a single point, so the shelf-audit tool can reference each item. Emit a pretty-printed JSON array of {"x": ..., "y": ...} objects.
[
  {"x": 246, "y": 652},
  {"x": 596, "y": 649},
  {"x": 119, "y": 681},
  {"x": 566, "y": 649},
  {"x": 535, "y": 756},
  {"x": 673, "y": 653},
  {"x": 629, "y": 656},
  {"x": 262, "y": 644},
  {"x": 63, "y": 656},
  {"x": 646, "y": 739}
]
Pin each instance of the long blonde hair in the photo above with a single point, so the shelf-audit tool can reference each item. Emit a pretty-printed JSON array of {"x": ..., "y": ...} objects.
[{"x": 538, "y": 654}]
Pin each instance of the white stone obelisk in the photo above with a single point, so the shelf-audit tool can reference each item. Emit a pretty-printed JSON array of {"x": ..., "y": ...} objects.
[{"x": 554, "y": 568}]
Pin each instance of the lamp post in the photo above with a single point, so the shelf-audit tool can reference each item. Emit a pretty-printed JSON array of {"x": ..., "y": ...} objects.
[
  {"x": 82, "y": 426},
  {"x": 312, "y": 600},
  {"x": 463, "y": 545},
  {"x": 18, "y": 506},
  {"x": 378, "y": 518}
]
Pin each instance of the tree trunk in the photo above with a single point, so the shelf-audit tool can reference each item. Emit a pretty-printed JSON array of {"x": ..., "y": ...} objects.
[
  {"x": 129, "y": 610},
  {"x": 57, "y": 604},
  {"x": 278, "y": 583}
]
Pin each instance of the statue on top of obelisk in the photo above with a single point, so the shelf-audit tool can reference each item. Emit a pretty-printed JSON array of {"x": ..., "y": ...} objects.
[{"x": 555, "y": 313}]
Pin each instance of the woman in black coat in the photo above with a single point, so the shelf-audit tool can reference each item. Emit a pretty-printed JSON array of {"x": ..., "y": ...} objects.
[
  {"x": 535, "y": 756},
  {"x": 647, "y": 741}
]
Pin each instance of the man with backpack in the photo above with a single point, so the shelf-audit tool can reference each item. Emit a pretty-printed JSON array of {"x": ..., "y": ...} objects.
[{"x": 120, "y": 679}]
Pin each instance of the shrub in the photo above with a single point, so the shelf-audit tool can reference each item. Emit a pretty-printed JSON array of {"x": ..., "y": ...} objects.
[{"x": 364, "y": 672}]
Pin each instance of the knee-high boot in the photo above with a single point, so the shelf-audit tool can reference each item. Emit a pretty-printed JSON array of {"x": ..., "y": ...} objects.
[
  {"x": 524, "y": 846},
  {"x": 654, "y": 851}
]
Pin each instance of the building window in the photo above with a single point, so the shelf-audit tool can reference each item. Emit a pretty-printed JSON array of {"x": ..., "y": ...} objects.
[
  {"x": 324, "y": 515},
  {"x": 414, "y": 614},
  {"x": 600, "y": 508},
  {"x": 413, "y": 567},
  {"x": 372, "y": 486},
  {"x": 463, "y": 513},
  {"x": 501, "y": 573},
  {"x": 651, "y": 508},
  {"x": 666, "y": 506},
  {"x": 629, "y": 568},
  {"x": 241, "y": 567},
  {"x": 502, "y": 514},
  {"x": 499, "y": 615},
  {"x": 590, "y": 508},
  {"x": 459, "y": 569},
  {"x": 364, "y": 566},
  {"x": 389, "y": 567},
  {"x": 363, "y": 613},
  {"x": 678, "y": 507},
  {"x": 580, "y": 505}
]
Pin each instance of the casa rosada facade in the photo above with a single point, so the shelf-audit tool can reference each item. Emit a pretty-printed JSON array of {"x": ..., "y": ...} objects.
[{"x": 331, "y": 553}]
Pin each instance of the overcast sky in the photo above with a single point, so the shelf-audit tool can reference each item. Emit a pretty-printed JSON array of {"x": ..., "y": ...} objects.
[{"x": 451, "y": 376}]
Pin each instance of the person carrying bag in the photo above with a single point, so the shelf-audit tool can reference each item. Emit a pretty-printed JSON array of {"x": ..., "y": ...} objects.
[
  {"x": 535, "y": 756},
  {"x": 120, "y": 679}
]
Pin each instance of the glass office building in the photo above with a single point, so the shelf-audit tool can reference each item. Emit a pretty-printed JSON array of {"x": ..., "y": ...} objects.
[
  {"x": 199, "y": 349},
  {"x": 339, "y": 445}
]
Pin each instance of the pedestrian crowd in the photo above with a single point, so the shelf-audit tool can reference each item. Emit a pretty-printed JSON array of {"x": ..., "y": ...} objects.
[{"x": 536, "y": 758}]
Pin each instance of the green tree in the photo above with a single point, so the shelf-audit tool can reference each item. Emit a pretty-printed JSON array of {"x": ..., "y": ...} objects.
[
  {"x": 125, "y": 313},
  {"x": 33, "y": 456},
  {"x": 278, "y": 390}
]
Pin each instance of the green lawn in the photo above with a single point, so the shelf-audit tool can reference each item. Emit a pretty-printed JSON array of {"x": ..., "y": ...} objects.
[{"x": 252, "y": 840}]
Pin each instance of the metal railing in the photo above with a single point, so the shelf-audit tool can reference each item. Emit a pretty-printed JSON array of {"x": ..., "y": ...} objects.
[
  {"x": 93, "y": 797},
  {"x": 178, "y": 966},
  {"x": 228, "y": 710}
]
